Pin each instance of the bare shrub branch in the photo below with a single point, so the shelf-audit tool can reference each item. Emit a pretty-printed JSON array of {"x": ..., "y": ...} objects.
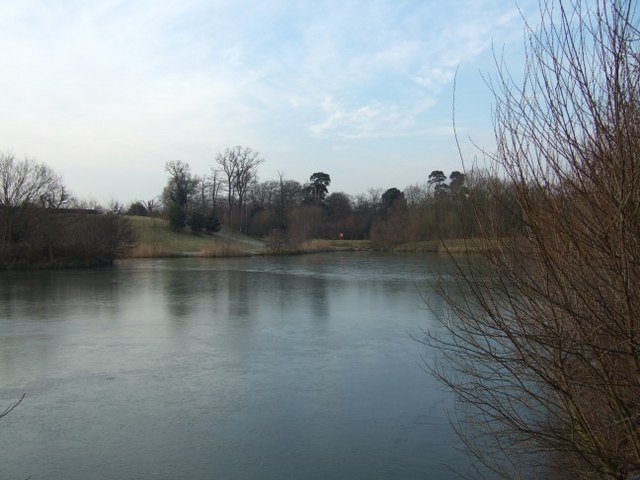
[{"x": 544, "y": 353}]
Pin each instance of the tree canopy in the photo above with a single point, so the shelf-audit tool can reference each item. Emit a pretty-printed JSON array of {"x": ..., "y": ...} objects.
[{"x": 319, "y": 186}]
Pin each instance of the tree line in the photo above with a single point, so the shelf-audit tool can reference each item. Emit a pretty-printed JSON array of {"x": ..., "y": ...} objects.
[
  {"x": 41, "y": 223},
  {"x": 288, "y": 212}
]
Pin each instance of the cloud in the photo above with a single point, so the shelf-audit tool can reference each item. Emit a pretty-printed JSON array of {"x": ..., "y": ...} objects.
[
  {"x": 434, "y": 77},
  {"x": 118, "y": 82},
  {"x": 361, "y": 122},
  {"x": 372, "y": 120},
  {"x": 72, "y": 57},
  {"x": 384, "y": 78}
]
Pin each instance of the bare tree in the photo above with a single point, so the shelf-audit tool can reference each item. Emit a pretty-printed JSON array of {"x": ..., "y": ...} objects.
[
  {"x": 26, "y": 184},
  {"x": 228, "y": 166},
  {"x": 544, "y": 351},
  {"x": 266, "y": 194},
  {"x": 214, "y": 188},
  {"x": 151, "y": 206},
  {"x": 239, "y": 165},
  {"x": 374, "y": 196},
  {"x": 415, "y": 194}
]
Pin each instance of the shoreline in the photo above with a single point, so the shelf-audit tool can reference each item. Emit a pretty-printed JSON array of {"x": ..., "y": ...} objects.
[
  {"x": 155, "y": 239},
  {"x": 453, "y": 246}
]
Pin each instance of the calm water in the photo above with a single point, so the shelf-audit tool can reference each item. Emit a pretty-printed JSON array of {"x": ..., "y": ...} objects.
[{"x": 257, "y": 368}]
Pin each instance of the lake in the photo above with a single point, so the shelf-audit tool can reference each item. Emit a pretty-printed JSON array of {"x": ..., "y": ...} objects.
[{"x": 298, "y": 367}]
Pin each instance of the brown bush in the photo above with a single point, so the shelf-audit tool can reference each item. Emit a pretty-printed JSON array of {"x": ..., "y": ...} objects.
[{"x": 544, "y": 353}]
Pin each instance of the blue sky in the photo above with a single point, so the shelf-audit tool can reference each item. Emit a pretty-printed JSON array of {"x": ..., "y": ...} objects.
[{"x": 106, "y": 92}]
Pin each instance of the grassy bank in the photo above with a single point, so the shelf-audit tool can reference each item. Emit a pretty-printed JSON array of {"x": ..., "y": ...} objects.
[
  {"x": 155, "y": 239},
  {"x": 453, "y": 246},
  {"x": 320, "y": 245}
]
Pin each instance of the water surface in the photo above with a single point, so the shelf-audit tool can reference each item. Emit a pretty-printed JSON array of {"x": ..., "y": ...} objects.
[{"x": 251, "y": 368}]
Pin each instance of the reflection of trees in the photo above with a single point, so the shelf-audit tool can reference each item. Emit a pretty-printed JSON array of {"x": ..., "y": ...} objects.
[
  {"x": 285, "y": 288},
  {"x": 37, "y": 294},
  {"x": 182, "y": 288},
  {"x": 238, "y": 296},
  {"x": 310, "y": 286},
  {"x": 318, "y": 298},
  {"x": 214, "y": 290},
  {"x": 33, "y": 305}
]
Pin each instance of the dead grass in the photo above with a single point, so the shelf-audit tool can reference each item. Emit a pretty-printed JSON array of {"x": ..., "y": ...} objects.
[
  {"x": 321, "y": 245},
  {"x": 453, "y": 246}
]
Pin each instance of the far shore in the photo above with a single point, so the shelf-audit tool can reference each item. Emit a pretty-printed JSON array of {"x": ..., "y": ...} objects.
[{"x": 155, "y": 239}]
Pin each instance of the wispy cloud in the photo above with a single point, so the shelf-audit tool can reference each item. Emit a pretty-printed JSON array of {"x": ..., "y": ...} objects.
[
  {"x": 373, "y": 120},
  {"x": 93, "y": 80}
]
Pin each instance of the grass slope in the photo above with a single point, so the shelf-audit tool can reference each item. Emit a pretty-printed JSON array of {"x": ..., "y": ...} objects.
[{"x": 156, "y": 239}]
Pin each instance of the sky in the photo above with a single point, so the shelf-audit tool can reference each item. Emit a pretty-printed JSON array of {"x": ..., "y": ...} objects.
[{"x": 107, "y": 92}]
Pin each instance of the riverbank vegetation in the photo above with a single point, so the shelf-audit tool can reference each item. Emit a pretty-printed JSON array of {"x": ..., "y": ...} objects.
[
  {"x": 217, "y": 213},
  {"x": 48, "y": 227},
  {"x": 287, "y": 213},
  {"x": 444, "y": 213},
  {"x": 43, "y": 225},
  {"x": 544, "y": 352},
  {"x": 40, "y": 226}
]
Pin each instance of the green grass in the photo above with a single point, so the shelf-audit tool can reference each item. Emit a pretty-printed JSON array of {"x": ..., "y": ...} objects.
[{"x": 156, "y": 239}]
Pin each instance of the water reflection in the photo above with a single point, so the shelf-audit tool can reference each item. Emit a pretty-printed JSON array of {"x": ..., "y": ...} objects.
[
  {"x": 33, "y": 294},
  {"x": 292, "y": 367},
  {"x": 180, "y": 293}
]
